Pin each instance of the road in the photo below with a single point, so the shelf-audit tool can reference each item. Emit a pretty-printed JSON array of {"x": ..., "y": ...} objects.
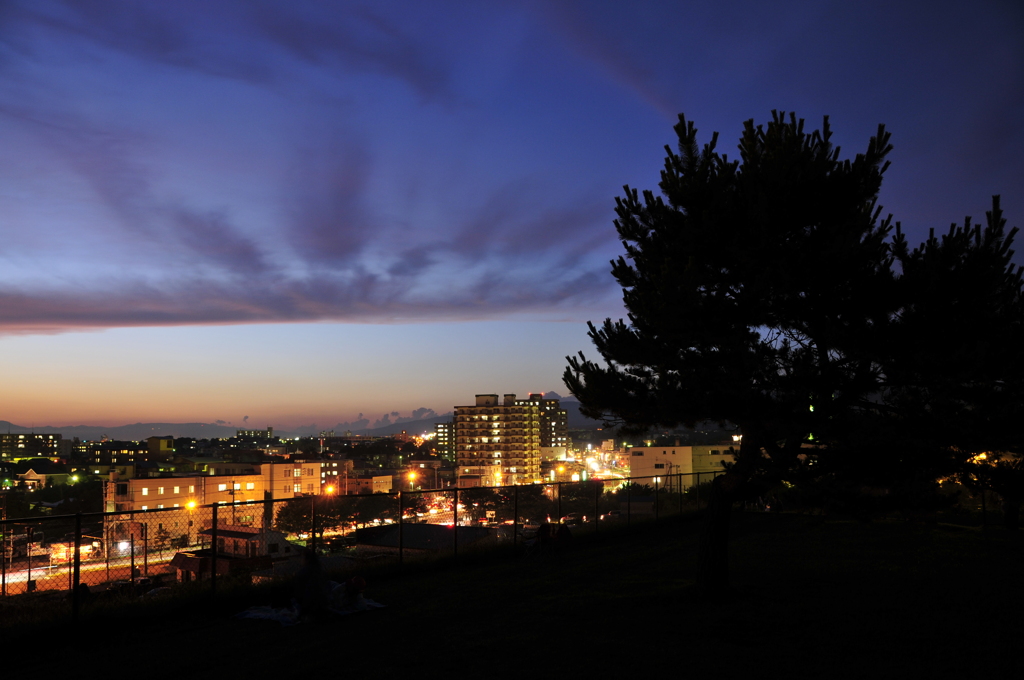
[{"x": 58, "y": 576}]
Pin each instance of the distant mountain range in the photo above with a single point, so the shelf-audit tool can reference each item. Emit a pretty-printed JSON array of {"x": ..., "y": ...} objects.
[
  {"x": 140, "y": 431},
  {"x": 134, "y": 432}
]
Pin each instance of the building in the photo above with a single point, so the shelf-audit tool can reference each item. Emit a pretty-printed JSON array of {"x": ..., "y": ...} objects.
[
  {"x": 14, "y": 446},
  {"x": 332, "y": 472},
  {"x": 359, "y": 483},
  {"x": 168, "y": 509},
  {"x": 554, "y": 422},
  {"x": 498, "y": 443},
  {"x": 255, "y": 434},
  {"x": 444, "y": 440},
  {"x": 670, "y": 466},
  {"x": 225, "y": 483},
  {"x": 160, "y": 448},
  {"x": 33, "y": 480},
  {"x": 239, "y": 549},
  {"x": 112, "y": 452}
]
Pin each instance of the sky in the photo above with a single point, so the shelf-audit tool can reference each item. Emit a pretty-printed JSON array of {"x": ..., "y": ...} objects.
[{"x": 305, "y": 213}]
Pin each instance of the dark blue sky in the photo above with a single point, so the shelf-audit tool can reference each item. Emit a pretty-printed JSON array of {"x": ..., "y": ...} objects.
[{"x": 417, "y": 177}]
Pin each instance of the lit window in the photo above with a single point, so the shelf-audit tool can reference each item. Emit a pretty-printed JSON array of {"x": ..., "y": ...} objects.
[
  {"x": 175, "y": 505},
  {"x": 250, "y": 486},
  {"x": 145, "y": 491},
  {"x": 296, "y": 488},
  {"x": 191, "y": 488},
  {"x": 177, "y": 489},
  {"x": 222, "y": 487},
  {"x": 145, "y": 507},
  {"x": 238, "y": 486},
  {"x": 160, "y": 490},
  {"x": 159, "y": 506}
]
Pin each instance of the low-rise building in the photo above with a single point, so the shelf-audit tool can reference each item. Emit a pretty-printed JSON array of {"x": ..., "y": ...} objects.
[
  {"x": 32, "y": 445},
  {"x": 677, "y": 467},
  {"x": 223, "y": 483},
  {"x": 238, "y": 548}
]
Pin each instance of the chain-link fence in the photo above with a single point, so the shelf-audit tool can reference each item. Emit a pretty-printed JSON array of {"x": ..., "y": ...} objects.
[{"x": 134, "y": 552}]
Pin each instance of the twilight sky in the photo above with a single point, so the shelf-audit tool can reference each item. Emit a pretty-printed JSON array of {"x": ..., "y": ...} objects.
[{"x": 303, "y": 211}]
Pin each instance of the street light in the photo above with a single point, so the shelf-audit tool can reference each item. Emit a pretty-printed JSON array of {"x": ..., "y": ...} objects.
[{"x": 412, "y": 480}]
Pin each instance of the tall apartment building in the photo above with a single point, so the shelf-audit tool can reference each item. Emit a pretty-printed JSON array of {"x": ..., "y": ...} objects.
[
  {"x": 497, "y": 443},
  {"x": 444, "y": 440},
  {"x": 554, "y": 422}
]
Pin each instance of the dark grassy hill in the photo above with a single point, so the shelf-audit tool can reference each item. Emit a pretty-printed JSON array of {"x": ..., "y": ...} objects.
[{"x": 813, "y": 598}]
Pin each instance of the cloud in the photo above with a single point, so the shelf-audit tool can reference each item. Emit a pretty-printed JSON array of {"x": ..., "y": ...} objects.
[
  {"x": 608, "y": 50},
  {"x": 329, "y": 220},
  {"x": 383, "y": 421},
  {"x": 238, "y": 40},
  {"x": 141, "y": 30},
  {"x": 158, "y": 227},
  {"x": 358, "y": 39}
]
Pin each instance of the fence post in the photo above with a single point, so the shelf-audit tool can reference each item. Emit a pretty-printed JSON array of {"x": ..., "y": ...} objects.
[
  {"x": 131, "y": 558},
  {"x": 213, "y": 554},
  {"x": 629, "y": 500},
  {"x": 145, "y": 548},
  {"x": 3, "y": 562},
  {"x": 28, "y": 549},
  {"x": 558, "y": 490},
  {"x": 697, "y": 492},
  {"x": 515, "y": 515},
  {"x": 106, "y": 544},
  {"x": 455, "y": 523},
  {"x": 75, "y": 600},
  {"x": 597, "y": 504},
  {"x": 401, "y": 528},
  {"x": 312, "y": 521},
  {"x": 679, "y": 488},
  {"x": 656, "y": 513}
]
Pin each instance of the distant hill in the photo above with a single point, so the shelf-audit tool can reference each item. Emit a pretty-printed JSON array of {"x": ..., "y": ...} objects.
[
  {"x": 140, "y": 431},
  {"x": 134, "y": 432},
  {"x": 410, "y": 426},
  {"x": 578, "y": 421}
]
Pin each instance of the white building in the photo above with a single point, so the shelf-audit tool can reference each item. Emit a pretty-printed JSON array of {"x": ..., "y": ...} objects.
[{"x": 670, "y": 466}]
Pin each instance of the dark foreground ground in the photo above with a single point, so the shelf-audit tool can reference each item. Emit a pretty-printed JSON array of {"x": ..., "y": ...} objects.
[{"x": 813, "y": 598}]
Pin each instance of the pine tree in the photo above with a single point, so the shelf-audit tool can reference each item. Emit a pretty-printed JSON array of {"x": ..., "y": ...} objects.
[
  {"x": 755, "y": 290},
  {"x": 954, "y": 367}
]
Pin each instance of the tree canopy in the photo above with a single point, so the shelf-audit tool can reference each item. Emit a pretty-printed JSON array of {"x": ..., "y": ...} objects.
[
  {"x": 753, "y": 287},
  {"x": 768, "y": 292}
]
